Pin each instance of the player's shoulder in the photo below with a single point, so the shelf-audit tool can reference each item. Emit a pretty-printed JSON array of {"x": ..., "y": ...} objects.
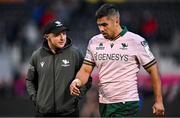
[
  {"x": 74, "y": 49},
  {"x": 37, "y": 51},
  {"x": 134, "y": 37},
  {"x": 96, "y": 38}
]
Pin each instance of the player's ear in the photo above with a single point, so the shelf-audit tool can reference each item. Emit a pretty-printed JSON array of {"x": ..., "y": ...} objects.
[{"x": 117, "y": 20}]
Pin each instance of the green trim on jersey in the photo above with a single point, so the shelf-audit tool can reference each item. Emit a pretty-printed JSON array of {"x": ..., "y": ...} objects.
[
  {"x": 89, "y": 63},
  {"x": 123, "y": 31},
  {"x": 150, "y": 64},
  {"x": 127, "y": 109}
]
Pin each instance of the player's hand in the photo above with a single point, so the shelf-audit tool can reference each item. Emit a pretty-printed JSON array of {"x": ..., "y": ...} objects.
[
  {"x": 158, "y": 109},
  {"x": 74, "y": 87}
]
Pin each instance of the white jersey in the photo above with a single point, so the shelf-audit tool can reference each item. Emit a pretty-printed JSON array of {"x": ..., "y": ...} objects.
[{"x": 118, "y": 63}]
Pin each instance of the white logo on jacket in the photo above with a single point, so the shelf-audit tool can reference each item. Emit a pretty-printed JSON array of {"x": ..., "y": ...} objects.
[
  {"x": 42, "y": 64},
  {"x": 65, "y": 63}
]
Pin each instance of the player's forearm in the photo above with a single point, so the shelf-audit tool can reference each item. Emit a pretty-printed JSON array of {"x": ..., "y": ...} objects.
[
  {"x": 156, "y": 83},
  {"x": 30, "y": 88},
  {"x": 82, "y": 77},
  {"x": 157, "y": 89},
  {"x": 83, "y": 74}
]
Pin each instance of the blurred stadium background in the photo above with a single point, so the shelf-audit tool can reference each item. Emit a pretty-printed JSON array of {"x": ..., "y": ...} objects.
[{"x": 21, "y": 23}]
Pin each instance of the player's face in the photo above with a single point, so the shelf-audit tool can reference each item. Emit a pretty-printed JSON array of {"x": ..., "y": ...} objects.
[
  {"x": 57, "y": 40},
  {"x": 107, "y": 27}
]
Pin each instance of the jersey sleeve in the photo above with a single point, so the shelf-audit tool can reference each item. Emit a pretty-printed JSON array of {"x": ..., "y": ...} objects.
[
  {"x": 144, "y": 54},
  {"x": 89, "y": 60}
]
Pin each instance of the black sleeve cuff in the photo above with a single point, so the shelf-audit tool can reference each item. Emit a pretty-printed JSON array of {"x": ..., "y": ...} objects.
[{"x": 150, "y": 64}]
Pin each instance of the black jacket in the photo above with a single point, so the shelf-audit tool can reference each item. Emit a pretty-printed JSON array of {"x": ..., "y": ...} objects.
[{"x": 49, "y": 77}]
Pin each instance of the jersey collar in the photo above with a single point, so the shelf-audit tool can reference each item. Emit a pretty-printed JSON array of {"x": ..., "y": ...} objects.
[{"x": 124, "y": 30}]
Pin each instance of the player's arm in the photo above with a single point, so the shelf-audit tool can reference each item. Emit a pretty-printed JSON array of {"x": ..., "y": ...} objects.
[
  {"x": 31, "y": 79},
  {"x": 31, "y": 84},
  {"x": 158, "y": 107},
  {"x": 81, "y": 79}
]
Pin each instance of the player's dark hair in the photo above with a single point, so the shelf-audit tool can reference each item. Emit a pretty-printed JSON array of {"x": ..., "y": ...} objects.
[{"x": 106, "y": 10}]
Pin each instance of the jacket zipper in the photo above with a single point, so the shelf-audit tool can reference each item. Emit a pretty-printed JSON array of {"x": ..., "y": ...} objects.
[{"x": 54, "y": 84}]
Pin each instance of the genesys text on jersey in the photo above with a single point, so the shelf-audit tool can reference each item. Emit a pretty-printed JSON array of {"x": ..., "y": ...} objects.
[{"x": 113, "y": 56}]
